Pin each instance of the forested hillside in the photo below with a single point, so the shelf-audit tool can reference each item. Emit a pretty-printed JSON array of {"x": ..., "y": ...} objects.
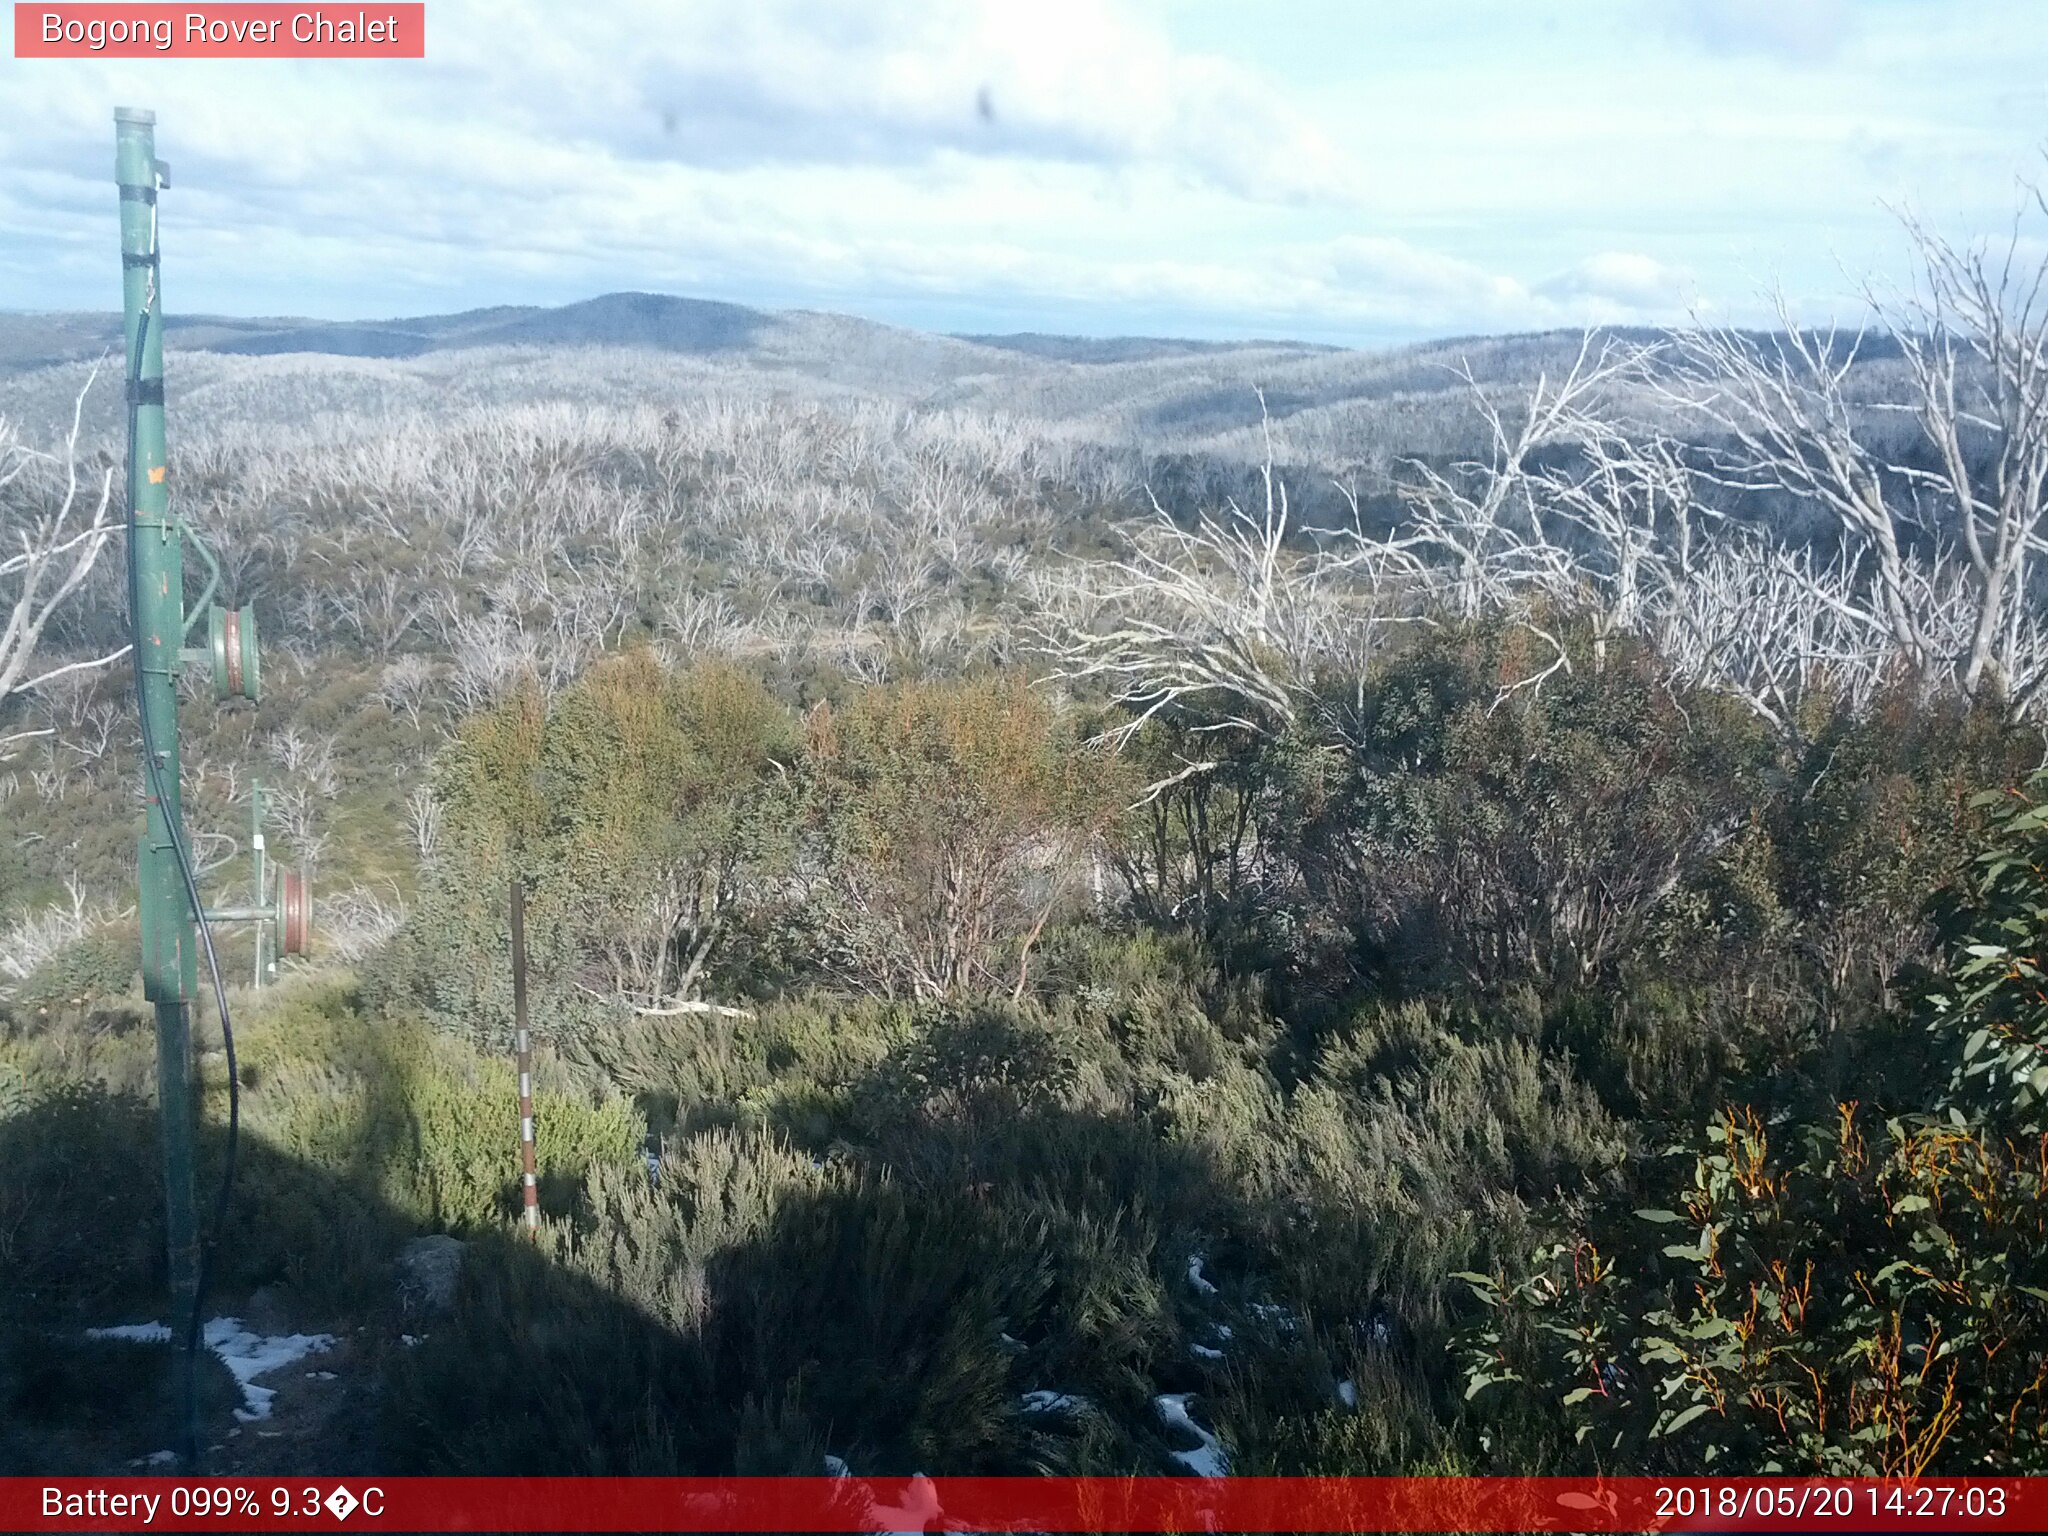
[{"x": 1104, "y": 909}]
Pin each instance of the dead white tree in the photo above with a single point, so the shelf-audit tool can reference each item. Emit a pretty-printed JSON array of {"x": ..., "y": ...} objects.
[
  {"x": 37, "y": 936},
  {"x": 1198, "y": 613},
  {"x": 298, "y": 811},
  {"x": 491, "y": 656},
  {"x": 423, "y": 822},
  {"x": 702, "y": 624},
  {"x": 380, "y": 608},
  {"x": 905, "y": 582},
  {"x": 1948, "y": 526},
  {"x": 1229, "y": 620},
  {"x": 408, "y": 685},
  {"x": 53, "y": 525},
  {"x": 358, "y": 921},
  {"x": 308, "y": 759},
  {"x": 1770, "y": 626},
  {"x": 1630, "y": 501},
  {"x": 1472, "y": 521}
]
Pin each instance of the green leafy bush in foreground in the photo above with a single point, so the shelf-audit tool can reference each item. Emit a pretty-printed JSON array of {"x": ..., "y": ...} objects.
[{"x": 1859, "y": 1288}]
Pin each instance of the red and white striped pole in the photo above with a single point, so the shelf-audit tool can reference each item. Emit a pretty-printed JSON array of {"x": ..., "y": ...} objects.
[{"x": 522, "y": 1046}]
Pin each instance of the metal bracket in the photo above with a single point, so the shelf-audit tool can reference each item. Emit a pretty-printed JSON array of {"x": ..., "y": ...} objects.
[{"x": 198, "y": 609}]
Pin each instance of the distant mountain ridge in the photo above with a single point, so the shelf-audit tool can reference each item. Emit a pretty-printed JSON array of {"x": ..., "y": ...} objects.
[
  {"x": 1124, "y": 349},
  {"x": 1234, "y": 400},
  {"x": 655, "y": 321}
]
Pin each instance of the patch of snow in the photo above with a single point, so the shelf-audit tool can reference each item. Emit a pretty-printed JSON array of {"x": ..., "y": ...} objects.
[
  {"x": 1209, "y": 1458},
  {"x": 246, "y": 1354},
  {"x": 408, "y": 1339},
  {"x": 837, "y": 1467},
  {"x": 1070, "y": 1404},
  {"x": 249, "y": 1354},
  {"x": 155, "y": 1459},
  {"x": 319, "y": 1375},
  {"x": 1010, "y": 1346},
  {"x": 1272, "y": 1312},
  {"x": 1347, "y": 1393},
  {"x": 1206, "y": 1352},
  {"x": 1197, "y": 1279},
  {"x": 1223, "y": 1333}
]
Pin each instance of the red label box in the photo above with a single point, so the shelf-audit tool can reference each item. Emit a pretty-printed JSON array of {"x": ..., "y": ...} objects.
[{"x": 372, "y": 30}]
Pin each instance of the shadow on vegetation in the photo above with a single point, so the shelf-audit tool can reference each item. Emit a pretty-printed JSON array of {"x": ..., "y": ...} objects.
[
  {"x": 881, "y": 1268},
  {"x": 1382, "y": 1009}
]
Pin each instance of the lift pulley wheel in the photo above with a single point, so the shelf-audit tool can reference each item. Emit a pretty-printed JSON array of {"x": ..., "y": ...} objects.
[
  {"x": 294, "y": 915},
  {"x": 231, "y": 636}
]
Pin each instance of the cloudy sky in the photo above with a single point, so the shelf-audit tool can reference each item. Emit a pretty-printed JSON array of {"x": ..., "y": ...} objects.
[{"x": 1354, "y": 171}]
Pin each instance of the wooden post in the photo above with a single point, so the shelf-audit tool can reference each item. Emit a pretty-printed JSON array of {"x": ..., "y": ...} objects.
[{"x": 522, "y": 1045}]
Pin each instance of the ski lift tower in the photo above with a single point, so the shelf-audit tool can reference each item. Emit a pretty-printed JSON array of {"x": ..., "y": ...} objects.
[{"x": 174, "y": 924}]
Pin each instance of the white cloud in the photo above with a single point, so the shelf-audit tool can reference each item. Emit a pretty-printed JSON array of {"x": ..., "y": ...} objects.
[
  {"x": 1626, "y": 280},
  {"x": 738, "y": 84}
]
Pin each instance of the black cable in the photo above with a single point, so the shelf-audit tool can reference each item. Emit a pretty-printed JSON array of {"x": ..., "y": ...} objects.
[{"x": 154, "y": 769}]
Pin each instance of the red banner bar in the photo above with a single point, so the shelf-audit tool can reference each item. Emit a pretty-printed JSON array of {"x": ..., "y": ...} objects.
[
  {"x": 370, "y": 29},
  {"x": 1052, "y": 1504}
]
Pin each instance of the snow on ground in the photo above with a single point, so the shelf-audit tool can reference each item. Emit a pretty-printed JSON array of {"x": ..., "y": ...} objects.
[
  {"x": 1276, "y": 1316},
  {"x": 1197, "y": 1279},
  {"x": 1072, "y": 1404},
  {"x": 246, "y": 1354},
  {"x": 1347, "y": 1393},
  {"x": 250, "y": 1354},
  {"x": 1208, "y": 1459},
  {"x": 1206, "y": 1352}
]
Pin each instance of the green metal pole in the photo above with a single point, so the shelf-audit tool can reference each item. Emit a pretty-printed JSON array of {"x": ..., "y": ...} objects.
[
  {"x": 256, "y": 852},
  {"x": 170, "y": 974}
]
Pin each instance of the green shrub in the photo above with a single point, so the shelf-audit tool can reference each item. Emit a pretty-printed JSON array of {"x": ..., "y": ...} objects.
[
  {"x": 750, "y": 1311},
  {"x": 426, "y": 1125},
  {"x": 1837, "y": 1288},
  {"x": 88, "y": 973},
  {"x": 1490, "y": 838},
  {"x": 651, "y": 816},
  {"x": 79, "y": 1406},
  {"x": 953, "y": 823},
  {"x": 81, "y": 1217}
]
